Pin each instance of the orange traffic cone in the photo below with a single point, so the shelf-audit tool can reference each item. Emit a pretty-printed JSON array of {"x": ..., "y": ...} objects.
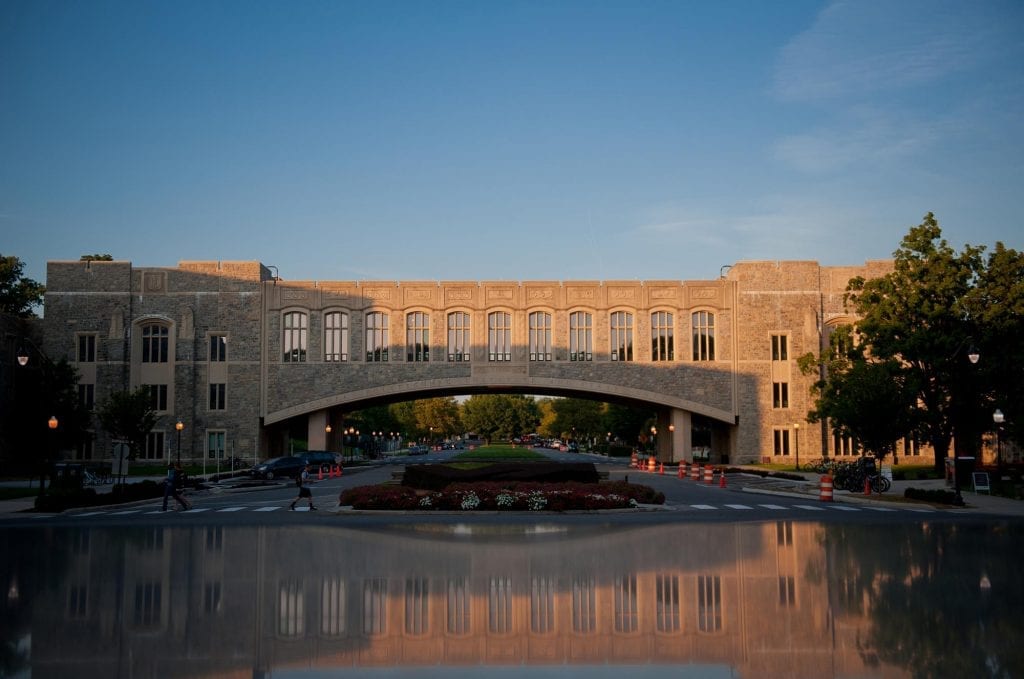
[
  {"x": 721, "y": 479},
  {"x": 320, "y": 474},
  {"x": 340, "y": 468},
  {"x": 661, "y": 468},
  {"x": 867, "y": 486},
  {"x": 682, "y": 470}
]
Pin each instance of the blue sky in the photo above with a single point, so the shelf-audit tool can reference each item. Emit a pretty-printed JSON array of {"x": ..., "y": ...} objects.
[{"x": 506, "y": 140}]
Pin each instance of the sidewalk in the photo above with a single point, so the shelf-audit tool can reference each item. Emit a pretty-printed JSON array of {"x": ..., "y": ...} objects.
[{"x": 974, "y": 503}]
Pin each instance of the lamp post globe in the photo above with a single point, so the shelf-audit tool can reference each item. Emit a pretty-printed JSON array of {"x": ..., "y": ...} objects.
[{"x": 178, "y": 426}]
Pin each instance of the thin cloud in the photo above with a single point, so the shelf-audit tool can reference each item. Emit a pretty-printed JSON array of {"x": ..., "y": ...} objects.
[{"x": 857, "y": 48}]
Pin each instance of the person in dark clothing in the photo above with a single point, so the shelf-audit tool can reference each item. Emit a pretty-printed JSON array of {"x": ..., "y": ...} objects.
[
  {"x": 171, "y": 483},
  {"x": 304, "y": 491}
]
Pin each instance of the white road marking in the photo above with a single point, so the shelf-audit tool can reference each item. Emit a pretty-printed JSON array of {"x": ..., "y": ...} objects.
[{"x": 811, "y": 508}]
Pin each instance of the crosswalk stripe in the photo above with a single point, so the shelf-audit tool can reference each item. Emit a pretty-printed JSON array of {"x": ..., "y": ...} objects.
[
  {"x": 773, "y": 506},
  {"x": 126, "y": 511},
  {"x": 811, "y": 508},
  {"x": 739, "y": 507},
  {"x": 844, "y": 508},
  {"x": 197, "y": 510},
  {"x": 231, "y": 509},
  {"x": 882, "y": 509},
  {"x": 703, "y": 506},
  {"x": 88, "y": 514},
  {"x": 266, "y": 509}
]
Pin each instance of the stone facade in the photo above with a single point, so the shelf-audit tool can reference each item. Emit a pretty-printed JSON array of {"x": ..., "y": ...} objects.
[{"x": 734, "y": 397}]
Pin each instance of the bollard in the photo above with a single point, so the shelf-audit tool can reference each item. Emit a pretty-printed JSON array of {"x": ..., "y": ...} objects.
[
  {"x": 867, "y": 486},
  {"x": 826, "y": 489},
  {"x": 709, "y": 474}
]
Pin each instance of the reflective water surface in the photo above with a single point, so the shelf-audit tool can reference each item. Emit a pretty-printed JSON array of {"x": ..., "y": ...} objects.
[{"x": 775, "y": 599}]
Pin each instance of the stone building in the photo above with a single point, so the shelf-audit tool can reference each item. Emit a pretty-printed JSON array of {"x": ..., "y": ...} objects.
[{"x": 244, "y": 360}]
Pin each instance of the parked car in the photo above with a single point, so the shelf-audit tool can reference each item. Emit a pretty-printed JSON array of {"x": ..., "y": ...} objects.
[
  {"x": 318, "y": 458},
  {"x": 418, "y": 450},
  {"x": 279, "y": 467}
]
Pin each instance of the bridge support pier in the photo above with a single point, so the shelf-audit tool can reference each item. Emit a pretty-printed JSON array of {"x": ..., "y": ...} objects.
[
  {"x": 316, "y": 430},
  {"x": 674, "y": 436}
]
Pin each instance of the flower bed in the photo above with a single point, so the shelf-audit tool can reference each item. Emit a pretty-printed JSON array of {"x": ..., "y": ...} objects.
[{"x": 495, "y": 496}]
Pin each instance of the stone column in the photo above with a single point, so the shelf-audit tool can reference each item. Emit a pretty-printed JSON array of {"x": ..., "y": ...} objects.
[
  {"x": 316, "y": 430},
  {"x": 676, "y": 425}
]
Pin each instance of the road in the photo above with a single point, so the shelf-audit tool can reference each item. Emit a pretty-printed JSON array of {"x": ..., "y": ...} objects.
[{"x": 686, "y": 501}]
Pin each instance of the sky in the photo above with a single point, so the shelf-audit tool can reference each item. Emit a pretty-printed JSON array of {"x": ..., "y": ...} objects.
[{"x": 505, "y": 139}]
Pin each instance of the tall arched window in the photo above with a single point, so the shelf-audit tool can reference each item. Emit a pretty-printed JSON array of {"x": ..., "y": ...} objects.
[
  {"x": 581, "y": 347},
  {"x": 622, "y": 336},
  {"x": 154, "y": 343},
  {"x": 540, "y": 336},
  {"x": 293, "y": 341},
  {"x": 458, "y": 336},
  {"x": 336, "y": 336},
  {"x": 499, "y": 336},
  {"x": 662, "y": 336},
  {"x": 703, "y": 336},
  {"x": 376, "y": 337},
  {"x": 417, "y": 337}
]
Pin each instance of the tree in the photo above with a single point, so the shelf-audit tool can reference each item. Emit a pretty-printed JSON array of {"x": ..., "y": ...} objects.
[
  {"x": 919, "y": 315},
  {"x": 997, "y": 302},
  {"x": 577, "y": 418},
  {"x": 870, "y": 400},
  {"x": 96, "y": 258},
  {"x": 44, "y": 389},
  {"x": 502, "y": 416},
  {"x": 437, "y": 417},
  {"x": 18, "y": 294},
  {"x": 937, "y": 307},
  {"x": 128, "y": 416}
]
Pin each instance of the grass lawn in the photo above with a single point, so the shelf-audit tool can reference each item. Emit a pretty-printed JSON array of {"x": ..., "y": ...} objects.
[
  {"x": 499, "y": 452},
  {"x": 15, "y": 493}
]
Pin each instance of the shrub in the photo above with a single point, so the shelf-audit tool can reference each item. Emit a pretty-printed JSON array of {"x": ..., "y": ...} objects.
[
  {"x": 498, "y": 496},
  {"x": 931, "y": 495}
]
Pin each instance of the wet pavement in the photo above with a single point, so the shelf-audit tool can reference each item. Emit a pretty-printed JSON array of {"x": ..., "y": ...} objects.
[{"x": 756, "y": 579}]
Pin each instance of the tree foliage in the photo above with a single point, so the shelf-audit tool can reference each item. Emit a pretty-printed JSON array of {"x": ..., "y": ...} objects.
[
  {"x": 501, "y": 416},
  {"x": 916, "y": 327},
  {"x": 18, "y": 294},
  {"x": 96, "y": 258},
  {"x": 128, "y": 416}
]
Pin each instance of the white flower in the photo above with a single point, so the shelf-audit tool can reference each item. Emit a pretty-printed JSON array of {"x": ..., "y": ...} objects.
[
  {"x": 425, "y": 501},
  {"x": 505, "y": 500},
  {"x": 470, "y": 500},
  {"x": 536, "y": 501}
]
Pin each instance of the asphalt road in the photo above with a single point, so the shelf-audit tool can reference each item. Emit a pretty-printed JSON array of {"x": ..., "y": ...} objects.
[{"x": 743, "y": 499}]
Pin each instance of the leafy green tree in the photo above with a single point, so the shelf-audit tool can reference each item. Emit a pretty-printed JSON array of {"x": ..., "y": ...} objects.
[
  {"x": 438, "y": 417},
  {"x": 997, "y": 302},
  {"x": 871, "y": 400},
  {"x": 18, "y": 294},
  {"x": 44, "y": 389},
  {"x": 502, "y": 416},
  {"x": 626, "y": 422},
  {"x": 919, "y": 315},
  {"x": 578, "y": 418},
  {"x": 128, "y": 416}
]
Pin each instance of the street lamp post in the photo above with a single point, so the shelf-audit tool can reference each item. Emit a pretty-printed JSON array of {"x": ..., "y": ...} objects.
[
  {"x": 52, "y": 423},
  {"x": 796, "y": 430},
  {"x": 178, "y": 426},
  {"x": 999, "y": 418},
  {"x": 972, "y": 355}
]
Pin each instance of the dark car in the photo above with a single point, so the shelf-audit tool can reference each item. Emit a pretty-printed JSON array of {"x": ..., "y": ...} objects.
[
  {"x": 279, "y": 467},
  {"x": 319, "y": 458}
]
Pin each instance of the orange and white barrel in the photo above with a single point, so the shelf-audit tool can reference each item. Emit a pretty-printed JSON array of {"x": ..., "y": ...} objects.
[
  {"x": 709, "y": 474},
  {"x": 826, "y": 488}
]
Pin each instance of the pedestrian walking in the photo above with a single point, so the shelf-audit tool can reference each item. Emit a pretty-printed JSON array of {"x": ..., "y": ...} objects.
[
  {"x": 171, "y": 483},
  {"x": 304, "y": 492}
]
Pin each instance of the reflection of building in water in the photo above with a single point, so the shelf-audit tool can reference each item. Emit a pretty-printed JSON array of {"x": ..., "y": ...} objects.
[{"x": 185, "y": 602}]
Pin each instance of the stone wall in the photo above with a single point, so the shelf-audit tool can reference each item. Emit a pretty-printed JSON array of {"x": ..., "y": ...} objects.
[{"x": 243, "y": 302}]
